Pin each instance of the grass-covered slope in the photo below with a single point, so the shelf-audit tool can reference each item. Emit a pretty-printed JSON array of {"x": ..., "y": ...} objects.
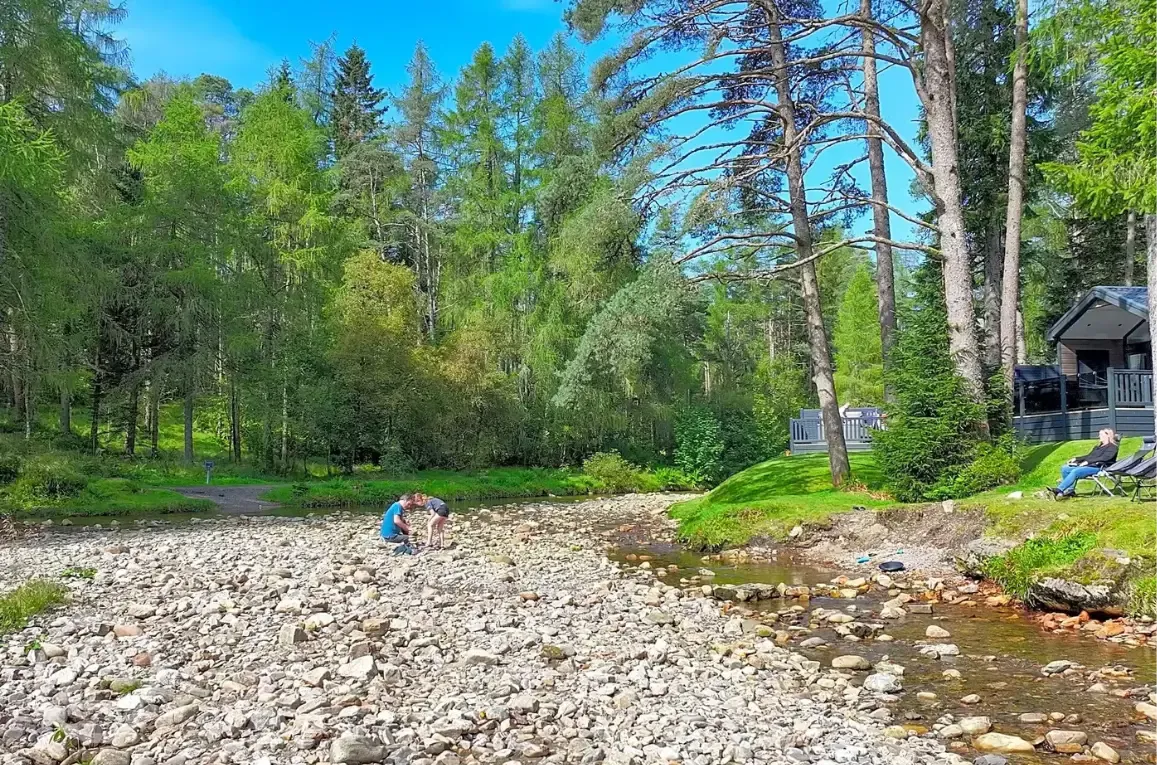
[
  {"x": 1080, "y": 539},
  {"x": 771, "y": 497}
]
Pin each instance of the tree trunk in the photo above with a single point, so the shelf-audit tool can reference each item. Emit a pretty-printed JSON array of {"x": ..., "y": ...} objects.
[
  {"x": 881, "y": 220},
  {"x": 940, "y": 108},
  {"x": 154, "y": 418},
  {"x": 821, "y": 355},
  {"x": 131, "y": 422},
  {"x": 188, "y": 421},
  {"x": 65, "y": 411},
  {"x": 284, "y": 427},
  {"x": 1021, "y": 346},
  {"x": 1010, "y": 297},
  {"x": 1130, "y": 248},
  {"x": 94, "y": 426},
  {"x": 234, "y": 420},
  {"x": 993, "y": 275},
  {"x": 14, "y": 368},
  {"x": 1151, "y": 244},
  {"x": 28, "y": 412}
]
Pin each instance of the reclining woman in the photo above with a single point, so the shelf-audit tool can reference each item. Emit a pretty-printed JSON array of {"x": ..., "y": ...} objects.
[{"x": 1086, "y": 465}]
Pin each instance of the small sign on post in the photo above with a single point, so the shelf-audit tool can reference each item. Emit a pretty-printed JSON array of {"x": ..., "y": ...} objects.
[{"x": 208, "y": 470}]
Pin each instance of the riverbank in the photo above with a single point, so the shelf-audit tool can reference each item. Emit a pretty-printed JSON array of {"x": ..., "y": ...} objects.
[
  {"x": 313, "y": 644},
  {"x": 1091, "y": 553}
]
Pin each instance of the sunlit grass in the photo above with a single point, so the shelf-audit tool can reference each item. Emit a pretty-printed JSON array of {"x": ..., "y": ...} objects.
[{"x": 27, "y": 600}]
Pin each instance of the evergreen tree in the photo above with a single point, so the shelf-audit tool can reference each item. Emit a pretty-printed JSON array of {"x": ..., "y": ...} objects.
[
  {"x": 856, "y": 342},
  {"x": 357, "y": 104},
  {"x": 932, "y": 429}
]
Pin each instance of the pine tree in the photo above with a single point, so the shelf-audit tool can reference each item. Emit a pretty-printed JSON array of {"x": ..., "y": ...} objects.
[
  {"x": 857, "y": 343},
  {"x": 357, "y": 104},
  {"x": 932, "y": 429},
  {"x": 281, "y": 81}
]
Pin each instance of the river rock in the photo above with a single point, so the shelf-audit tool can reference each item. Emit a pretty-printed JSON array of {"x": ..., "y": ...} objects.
[
  {"x": 974, "y": 726},
  {"x": 1105, "y": 752},
  {"x": 361, "y": 668},
  {"x": 882, "y": 683},
  {"x": 1066, "y": 741},
  {"x": 990, "y": 759},
  {"x": 111, "y": 757},
  {"x": 851, "y": 662},
  {"x": 1034, "y": 718},
  {"x": 1001, "y": 743},
  {"x": 1053, "y": 594},
  {"x": 937, "y": 633},
  {"x": 355, "y": 750},
  {"x": 940, "y": 650},
  {"x": 291, "y": 634},
  {"x": 1148, "y": 710},
  {"x": 1057, "y": 667}
]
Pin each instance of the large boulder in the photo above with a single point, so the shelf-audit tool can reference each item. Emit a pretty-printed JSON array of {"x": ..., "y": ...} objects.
[{"x": 1055, "y": 594}]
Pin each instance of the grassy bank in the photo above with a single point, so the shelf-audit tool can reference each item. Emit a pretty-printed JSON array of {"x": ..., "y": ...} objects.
[
  {"x": 1080, "y": 539},
  {"x": 767, "y": 500},
  {"x": 495, "y": 483},
  {"x": 27, "y": 600}
]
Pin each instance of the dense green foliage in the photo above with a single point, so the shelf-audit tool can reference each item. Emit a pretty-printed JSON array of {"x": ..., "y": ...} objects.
[
  {"x": 521, "y": 263},
  {"x": 859, "y": 354},
  {"x": 931, "y": 438}
]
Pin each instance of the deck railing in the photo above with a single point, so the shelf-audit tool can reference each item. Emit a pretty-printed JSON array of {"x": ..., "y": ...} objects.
[
  {"x": 807, "y": 430},
  {"x": 1131, "y": 387}
]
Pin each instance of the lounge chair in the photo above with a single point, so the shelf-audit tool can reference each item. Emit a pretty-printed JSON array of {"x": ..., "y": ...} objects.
[
  {"x": 1112, "y": 478},
  {"x": 1144, "y": 478}
]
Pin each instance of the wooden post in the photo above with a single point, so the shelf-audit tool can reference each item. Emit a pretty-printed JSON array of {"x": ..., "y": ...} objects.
[
  {"x": 1113, "y": 399},
  {"x": 1064, "y": 391}
]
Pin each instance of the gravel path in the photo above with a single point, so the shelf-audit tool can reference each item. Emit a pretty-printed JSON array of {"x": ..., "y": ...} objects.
[
  {"x": 279, "y": 640},
  {"x": 231, "y": 499}
]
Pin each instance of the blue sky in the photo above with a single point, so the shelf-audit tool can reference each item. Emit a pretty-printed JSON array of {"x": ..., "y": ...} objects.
[{"x": 242, "y": 40}]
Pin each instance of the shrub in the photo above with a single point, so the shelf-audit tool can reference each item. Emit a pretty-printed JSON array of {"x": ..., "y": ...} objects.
[
  {"x": 933, "y": 429},
  {"x": 9, "y": 468},
  {"x": 699, "y": 446},
  {"x": 107, "y": 488},
  {"x": 743, "y": 442},
  {"x": 673, "y": 479},
  {"x": 50, "y": 480},
  {"x": 995, "y": 464},
  {"x": 612, "y": 472}
]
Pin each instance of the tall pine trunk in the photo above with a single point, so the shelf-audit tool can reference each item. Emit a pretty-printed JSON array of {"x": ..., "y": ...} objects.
[
  {"x": 94, "y": 426},
  {"x": 940, "y": 115},
  {"x": 881, "y": 220},
  {"x": 821, "y": 355},
  {"x": 993, "y": 276},
  {"x": 284, "y": 427},
  {"x": 234, "y": 420},
  {"x": 1130, "y": 248},
  {"x": 65, "y": 411},
  {"x": 1018, "y": 137},
  {"x": 188, "y": 420},
  {"x": 131, "y": 421}
]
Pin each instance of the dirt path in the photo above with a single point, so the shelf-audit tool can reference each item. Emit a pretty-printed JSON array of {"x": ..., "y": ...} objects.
[{"x": 231, "y": 499}]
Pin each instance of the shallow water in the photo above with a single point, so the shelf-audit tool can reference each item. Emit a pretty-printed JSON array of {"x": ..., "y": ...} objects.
[{"x": 1002, "y": 652}]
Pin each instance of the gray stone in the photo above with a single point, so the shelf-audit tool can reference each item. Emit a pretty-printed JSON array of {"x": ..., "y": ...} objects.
[
  {"x": 356, "y": 750},
  {"x": 291, "y": 634},
  {"x": 882, "y": 683},
  {"x": 111, "y": 757},
  {"x": 177, "y": 716},
  {"x": 851, "y": 662}
]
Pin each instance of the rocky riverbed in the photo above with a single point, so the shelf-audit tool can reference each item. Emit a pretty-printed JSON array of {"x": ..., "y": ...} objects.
[{"x": 303, "y": 641}]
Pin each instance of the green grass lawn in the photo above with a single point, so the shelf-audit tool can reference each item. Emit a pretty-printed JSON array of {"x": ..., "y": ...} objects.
[
  {"x": 772, "y": 497},
  {"x": 449, "y": 485},
  {"x": 19, "y": 605}
]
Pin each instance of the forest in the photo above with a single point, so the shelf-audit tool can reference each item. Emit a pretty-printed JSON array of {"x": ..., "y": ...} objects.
[{"x": 665, "y": 252}]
